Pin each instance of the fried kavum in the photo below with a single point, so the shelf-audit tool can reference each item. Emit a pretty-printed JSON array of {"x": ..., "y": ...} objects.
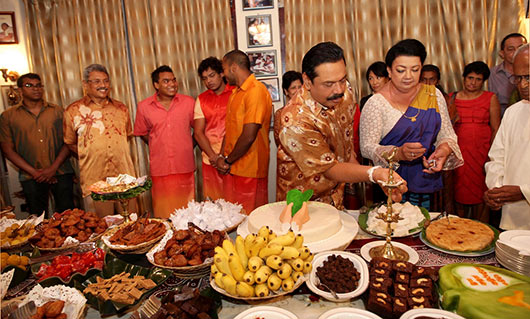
[
  {"x": 120, "y": 288},
  {"x": 138, "y": 232},
  {"x": 50, "y": 310},
  {"x": 188, "y": 248},
  {"x": 75, "y": 223}
]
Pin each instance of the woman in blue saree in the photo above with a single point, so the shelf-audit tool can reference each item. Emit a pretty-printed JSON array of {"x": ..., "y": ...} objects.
[{"x": 411, "y": 117}]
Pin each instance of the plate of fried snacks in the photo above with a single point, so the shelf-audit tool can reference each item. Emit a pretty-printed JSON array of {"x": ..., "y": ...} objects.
[
  {"x": 17, "y": 262},
  {"x": 122, "y": 186},
  {"x": 68, "y": 229},
  {"x": 59, "y": 302},
  {"x": 16, "y": 233},
  {"x": 189, "y": 252},
  {"x": 120, "y": 285},
  {"x": 136, "y": 237}
]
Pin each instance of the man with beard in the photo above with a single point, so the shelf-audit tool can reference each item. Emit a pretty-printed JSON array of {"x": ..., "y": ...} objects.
[
  {"x": 97, "y": 128},
  {"x": 316, "y": 133},
  {"x": 164, "y": 121},
  {"x": 245, "y": 147},
  {"x": 209, "y": 123},
  {"x": 31, "y": 137},
  {"x": 507, "y": 174}
]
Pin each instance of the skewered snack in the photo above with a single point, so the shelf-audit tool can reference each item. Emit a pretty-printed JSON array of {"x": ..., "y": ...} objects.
[
  {"x": 50, "y": 310},
  {"x": 120, "y": 288},
  {"x": 74, "y": 223},
  {"x": 16, "y": 234},
  {"x": 138, "y": 232},
  {"x": 189, "y": 247}
]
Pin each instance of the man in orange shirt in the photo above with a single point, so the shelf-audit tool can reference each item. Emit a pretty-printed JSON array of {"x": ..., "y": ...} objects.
[
  {"x": 246, "y": 144},
  {"x": 209, "y": 123}
]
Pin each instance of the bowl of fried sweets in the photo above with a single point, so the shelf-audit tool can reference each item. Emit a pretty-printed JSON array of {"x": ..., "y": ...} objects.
[
  {"x": 136, "y": 237},
  {"x": 68, "y": 229},
  {"x": 188, "y": 252}
]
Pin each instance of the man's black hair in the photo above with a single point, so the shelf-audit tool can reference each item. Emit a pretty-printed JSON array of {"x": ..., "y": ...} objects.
[
  {"x": 324, "y": 52},
  {"x": 155, "y": 76}
]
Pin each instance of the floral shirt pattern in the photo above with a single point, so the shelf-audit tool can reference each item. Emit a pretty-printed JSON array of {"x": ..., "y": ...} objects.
[
  {"x": 313, "y": 139},
  {"x": 101, "y": 134}
]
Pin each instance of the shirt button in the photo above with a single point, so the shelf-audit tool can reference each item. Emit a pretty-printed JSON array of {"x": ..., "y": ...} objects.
[{"x": 41, "y": 141}]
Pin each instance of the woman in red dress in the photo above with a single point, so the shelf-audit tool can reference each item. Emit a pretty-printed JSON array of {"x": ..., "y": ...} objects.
[{"x": 479, "y": 113}]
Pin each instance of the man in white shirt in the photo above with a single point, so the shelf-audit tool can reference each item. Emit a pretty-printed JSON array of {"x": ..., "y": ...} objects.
[{"x": 508, "y": 172}]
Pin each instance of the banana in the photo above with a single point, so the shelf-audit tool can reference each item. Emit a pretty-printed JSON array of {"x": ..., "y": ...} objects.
[
  {"x": 244, "y": 290},
  {"x": 288, "y": 284},
  {"x": 272, "y": 235},
  {"x": 274, "y": 282},
  {"x": 307, "y": 267},
  {"x": 274, "y": 249},
  {"x": 296, "y": 275},
  {"x": 274, "y": 261},
  {"x": 284, "y": 240},
  {"x": 264, "y": 232},
  {"x": 258, "y": 243},
  {"x": 221, "y": 251},
  {"x": 262, "y": 274},
  {"x": 254, "y": 263},
  {"x": 230, "y": 284},
  {"x": 310, "y": 258},
  {"x": 235, "y": 267},
  {"x": 297, "y": 264},
  {"x": 221, "y": 262},
  {"x": 240, "y": 248},
  {"x": 229, "y": 247},
  {"x": 289, "y": 253},
  {"x": 262, "y": 290},
  {"x": 285, "y": 271},
  {"x": 304, "y": 252},
  {"x": 298, "y": 241},
  {"x": 218, "y": 280},
  {"x": 248, "y": 277},
  {"x": 248, "y": 242},
  {"x": 214, "y": 269}
]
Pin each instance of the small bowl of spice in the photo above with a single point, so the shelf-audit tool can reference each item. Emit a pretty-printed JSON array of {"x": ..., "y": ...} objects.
[{"x": 338, "y": 276}]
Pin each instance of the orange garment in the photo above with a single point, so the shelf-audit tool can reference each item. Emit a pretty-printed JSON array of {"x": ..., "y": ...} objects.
[
  {"x": 251, "y": 193},
  {"x": 250, "y": 103},
  {"x": 171, "y": 192},
  {"x": 212, "y": 108},
  {"x": 313, "y": 139},
  {"x": 212, "y": 184},
  {"x": 101, "y": 134}
]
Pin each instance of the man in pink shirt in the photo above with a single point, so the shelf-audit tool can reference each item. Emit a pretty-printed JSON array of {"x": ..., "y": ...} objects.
[
  {"x": 209, "y": 124},
  {"x": 164, "y": 122}
]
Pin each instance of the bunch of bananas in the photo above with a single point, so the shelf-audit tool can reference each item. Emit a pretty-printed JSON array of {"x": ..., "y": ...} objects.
[{"x": 261, "y": 263}]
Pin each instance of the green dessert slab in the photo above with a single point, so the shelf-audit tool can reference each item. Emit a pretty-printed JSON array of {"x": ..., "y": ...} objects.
[
  {"x": 509, "y": 298},
  {"x": 129, "y": 194},
  {"x": 114, "y": 266},
  {"x": 363, "y": 219}
]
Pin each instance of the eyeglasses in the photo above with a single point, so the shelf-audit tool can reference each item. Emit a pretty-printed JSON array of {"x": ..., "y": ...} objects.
[
  {"x": 98, "y": 81},
  {"x": 516, "y": 79},
  {"x": 29, "y": 86}
]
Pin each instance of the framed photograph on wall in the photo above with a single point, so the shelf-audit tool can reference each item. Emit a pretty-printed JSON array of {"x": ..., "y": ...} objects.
[
  {"x": 257, "y": 4},
  {"x": 273, "y": 86},
  {"x": 263, "y": 63},
  {"x": 259, "y": 32},
  {"x": 8, "y": 29}
]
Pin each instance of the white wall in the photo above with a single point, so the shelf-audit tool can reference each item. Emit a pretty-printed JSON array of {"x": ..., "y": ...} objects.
[{"x": 14, "y": 58}]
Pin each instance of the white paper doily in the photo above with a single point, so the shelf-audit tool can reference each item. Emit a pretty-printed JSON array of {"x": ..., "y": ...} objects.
[
  {"x": 7, "y": 222},
  {"x": 5, "y": 280}
]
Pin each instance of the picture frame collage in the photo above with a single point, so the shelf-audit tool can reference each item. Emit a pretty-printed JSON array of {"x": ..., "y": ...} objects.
[{"x": 260, "y": 44}]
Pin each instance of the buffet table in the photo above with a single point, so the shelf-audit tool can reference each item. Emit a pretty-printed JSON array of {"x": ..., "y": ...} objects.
[{"x": 309, "y": 306}]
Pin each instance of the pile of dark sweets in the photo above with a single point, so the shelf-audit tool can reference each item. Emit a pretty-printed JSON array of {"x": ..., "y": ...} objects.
[
  {"x": 339, "y": 274},
  {"x": 194, "y": 306},
  {"x": 397, "y": 286}
]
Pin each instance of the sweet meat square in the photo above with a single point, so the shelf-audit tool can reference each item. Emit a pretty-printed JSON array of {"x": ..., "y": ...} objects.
[
  {"x": 379, "y": 302},
  {"x": 401, "y": 290},
  {"x": 399, "y": 306},
  {"x": 384, "y": 281},
  {"x": 421, "y": 292},
  {"x": 381, "y": 272},
  {"x": 424, "y": 272},
  {"x": 419, "y": 301},
  {"x": 421, "y": 282},
  {"x": 402, "y": 277},
  {"x": 402, "y": 266},
  {"x": 381, "y": 263}
]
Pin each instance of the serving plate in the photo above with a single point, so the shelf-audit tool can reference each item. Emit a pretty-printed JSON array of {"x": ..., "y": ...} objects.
[
  {"x": 348, "y": 313},
  {"x": 475, "y": 253},
  {"x": 363, "y": 218},
  {"x": 430, "y": 312},
  {"x": 266, "y": 312},
  {"x": 365, "y": 250}
]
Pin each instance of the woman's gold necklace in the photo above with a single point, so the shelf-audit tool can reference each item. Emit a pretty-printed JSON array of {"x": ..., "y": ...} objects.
[{"x": 411, "y": 118}]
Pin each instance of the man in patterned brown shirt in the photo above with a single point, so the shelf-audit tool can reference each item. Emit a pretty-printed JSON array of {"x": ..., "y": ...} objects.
[
  {"x": 31, "y": 137},
  {"x": 98, "y": 128},
  {"x": 316, "y": 133}
]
